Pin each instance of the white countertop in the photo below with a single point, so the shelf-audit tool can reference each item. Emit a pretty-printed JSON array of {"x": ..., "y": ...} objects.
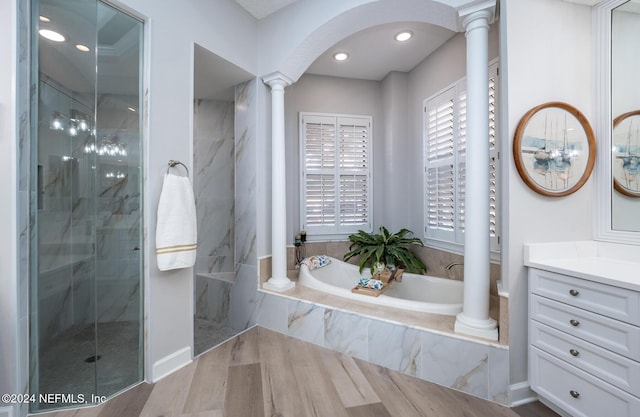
[{"x": 607, "y": 263}]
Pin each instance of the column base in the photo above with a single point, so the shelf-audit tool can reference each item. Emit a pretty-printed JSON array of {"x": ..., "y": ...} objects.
[
  {"x": 486, "y": 329},
  {"x": 278, "y": 284}
]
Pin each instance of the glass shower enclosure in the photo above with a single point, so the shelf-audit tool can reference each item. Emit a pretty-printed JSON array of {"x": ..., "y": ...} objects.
[{"x": 85, "y": 255}]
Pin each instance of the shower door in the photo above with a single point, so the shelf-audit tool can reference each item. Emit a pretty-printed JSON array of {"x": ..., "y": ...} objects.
[{"x": 86, "y": 326}]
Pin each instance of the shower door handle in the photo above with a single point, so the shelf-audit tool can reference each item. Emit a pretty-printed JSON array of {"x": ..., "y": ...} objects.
[{"x": 136, "y": 248}]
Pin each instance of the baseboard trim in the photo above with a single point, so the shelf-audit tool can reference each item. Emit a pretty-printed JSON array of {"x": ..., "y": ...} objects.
[
  {"x": 171, "y": 363},
  {"x": 521, "y": 393}
]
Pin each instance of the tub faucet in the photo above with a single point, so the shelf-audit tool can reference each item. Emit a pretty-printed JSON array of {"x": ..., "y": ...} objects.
[{"x": 452, "y": 264}]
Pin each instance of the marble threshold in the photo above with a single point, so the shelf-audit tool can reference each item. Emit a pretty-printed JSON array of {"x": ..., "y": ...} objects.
[{"x": 435, "y": 323}]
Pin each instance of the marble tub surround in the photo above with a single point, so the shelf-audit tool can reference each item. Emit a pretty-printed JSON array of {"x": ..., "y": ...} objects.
[
  {"x": 608, "y": 263},
  {"x": 416, "y": 344},
  {"x": 425, "y": 321},
  {"x": 435, "y": 259}
]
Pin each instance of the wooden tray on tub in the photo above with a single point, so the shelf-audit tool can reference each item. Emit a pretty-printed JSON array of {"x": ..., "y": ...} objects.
[
  {"x": 386, "y": 278},
  {"x": 369, "y": 291}
]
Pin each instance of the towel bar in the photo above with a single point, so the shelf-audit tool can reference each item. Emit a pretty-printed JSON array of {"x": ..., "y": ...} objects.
[{"x": 173, "y": 163}]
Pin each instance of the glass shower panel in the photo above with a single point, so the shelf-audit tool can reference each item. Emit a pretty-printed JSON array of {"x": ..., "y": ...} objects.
[
  {"x": 85, "y": 253},
  {"x": 119, "y": 201},
  {"x": 62, "y": 204}
]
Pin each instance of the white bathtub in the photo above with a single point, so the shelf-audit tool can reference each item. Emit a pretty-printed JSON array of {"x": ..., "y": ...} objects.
[{"x": 415, "y": 292}]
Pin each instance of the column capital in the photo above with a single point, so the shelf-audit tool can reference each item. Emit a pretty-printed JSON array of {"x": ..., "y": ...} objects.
[
  {"x": 482, "y": 13},
  {"x": 277, "y": 79}
]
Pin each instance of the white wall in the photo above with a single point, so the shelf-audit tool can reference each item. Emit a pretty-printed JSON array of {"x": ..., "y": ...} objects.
[
  {"x": 392, "y": 153},
  {"x": 319, "y": 94},
  {"x": 549, "y": 58}
]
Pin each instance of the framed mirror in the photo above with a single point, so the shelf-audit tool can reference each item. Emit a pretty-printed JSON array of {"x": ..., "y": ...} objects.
[
  {"x": 617, "y": 101},
  {"x": 554, "y": 149}
]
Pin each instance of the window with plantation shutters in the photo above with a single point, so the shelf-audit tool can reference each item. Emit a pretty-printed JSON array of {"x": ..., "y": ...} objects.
[
  {"x": 445, "y": 134},
  {"x": 336, "y": 173},
  {"x": 493, "y": 159},
  {"x": 440, "y": 169}
]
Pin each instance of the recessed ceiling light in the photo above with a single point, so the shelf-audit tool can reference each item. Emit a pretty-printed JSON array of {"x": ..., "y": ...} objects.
[
  {"x": 51, "y": 35},
  {"x": 44, "y": 19},
  {"x": 341, "y": 56},
  {"x": 403, "y": 36},
  {"x": 82, "y": 47}
]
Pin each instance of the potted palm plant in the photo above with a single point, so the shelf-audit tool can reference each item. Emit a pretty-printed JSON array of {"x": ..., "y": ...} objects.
[{"x": 386, "y": 248}]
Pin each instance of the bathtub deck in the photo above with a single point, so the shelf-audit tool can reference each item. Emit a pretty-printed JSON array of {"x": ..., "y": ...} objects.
[{"x": 433, "y": 322}]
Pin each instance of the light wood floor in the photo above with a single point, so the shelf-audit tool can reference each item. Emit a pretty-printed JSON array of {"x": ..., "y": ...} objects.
[{"x": 261, "y": 373}]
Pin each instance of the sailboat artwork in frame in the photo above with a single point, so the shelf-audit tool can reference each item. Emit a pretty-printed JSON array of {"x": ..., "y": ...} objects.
[
  {"x": 626, "y": 154},
  {"x": 554, "y": 149}
]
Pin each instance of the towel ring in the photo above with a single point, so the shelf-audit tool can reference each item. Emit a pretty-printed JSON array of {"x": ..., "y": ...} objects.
[{"x": 173, "y": 163}]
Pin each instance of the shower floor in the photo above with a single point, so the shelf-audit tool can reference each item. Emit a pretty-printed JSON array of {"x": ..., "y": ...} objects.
[
  {"x": 209, "y": 333},
  {"x": 68, "y": 365}
]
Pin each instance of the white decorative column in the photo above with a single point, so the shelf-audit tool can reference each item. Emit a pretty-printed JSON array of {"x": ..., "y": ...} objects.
[
  {"x": 279, "y": 280},
  {"x": 474, "y": 318}
]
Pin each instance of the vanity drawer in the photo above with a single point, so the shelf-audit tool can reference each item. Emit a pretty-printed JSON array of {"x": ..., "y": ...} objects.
[
  {"x": 577, "y": 392},
  {"x": 611, "y": 367},
  {"x": 610, "y": 334},
  {"x": 615, "y": 302}
]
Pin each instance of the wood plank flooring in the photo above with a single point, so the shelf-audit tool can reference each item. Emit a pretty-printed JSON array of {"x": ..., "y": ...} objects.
[{"x": 261, "y": 373}]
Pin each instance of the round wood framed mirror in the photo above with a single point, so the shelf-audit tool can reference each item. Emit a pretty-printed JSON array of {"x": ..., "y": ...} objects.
[{"x": 554, "y": 149}]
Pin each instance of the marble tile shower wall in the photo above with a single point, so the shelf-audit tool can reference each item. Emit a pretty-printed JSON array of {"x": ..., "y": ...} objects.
[
  {"x": 25, "y": 233},
  {"x": 480, "y": 369},
  {"x": 225, "y": 297},
  {"x": 244, "y": 296},
  {"x": 214, "y": 186}
]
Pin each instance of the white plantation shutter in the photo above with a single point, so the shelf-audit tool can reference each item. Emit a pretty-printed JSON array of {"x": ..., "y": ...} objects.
[
  {"x": 336, "y": 186},
  {"x": 493, "y": 159},
  {"x": 319, "y": 162},
  {"x": 461, "y": 147},
  {"x": 440, "y": 166},
  {"x": 354, "y": 172},
  {"x": 445, "y": 168}
]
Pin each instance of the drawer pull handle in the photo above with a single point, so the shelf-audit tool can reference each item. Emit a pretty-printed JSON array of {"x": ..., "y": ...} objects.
[
  {"x": 574, "y": 394},
  {"x": 574, "y": 292},
  {"x": 574, "y": 352},
  {"x": 574, "y": 323}
]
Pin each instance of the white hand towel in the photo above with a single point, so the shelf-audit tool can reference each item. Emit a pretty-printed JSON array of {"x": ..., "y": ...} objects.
[{"x": 176, "y": 230}]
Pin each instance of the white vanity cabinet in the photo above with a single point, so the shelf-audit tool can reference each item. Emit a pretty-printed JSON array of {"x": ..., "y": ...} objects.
[{"x": 584, "y": 344}]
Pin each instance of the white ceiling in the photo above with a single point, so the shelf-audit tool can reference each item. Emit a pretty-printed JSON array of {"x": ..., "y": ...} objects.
[
  {"x": 374, "y": 52},
  {"x": 263, "y": 8}
]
